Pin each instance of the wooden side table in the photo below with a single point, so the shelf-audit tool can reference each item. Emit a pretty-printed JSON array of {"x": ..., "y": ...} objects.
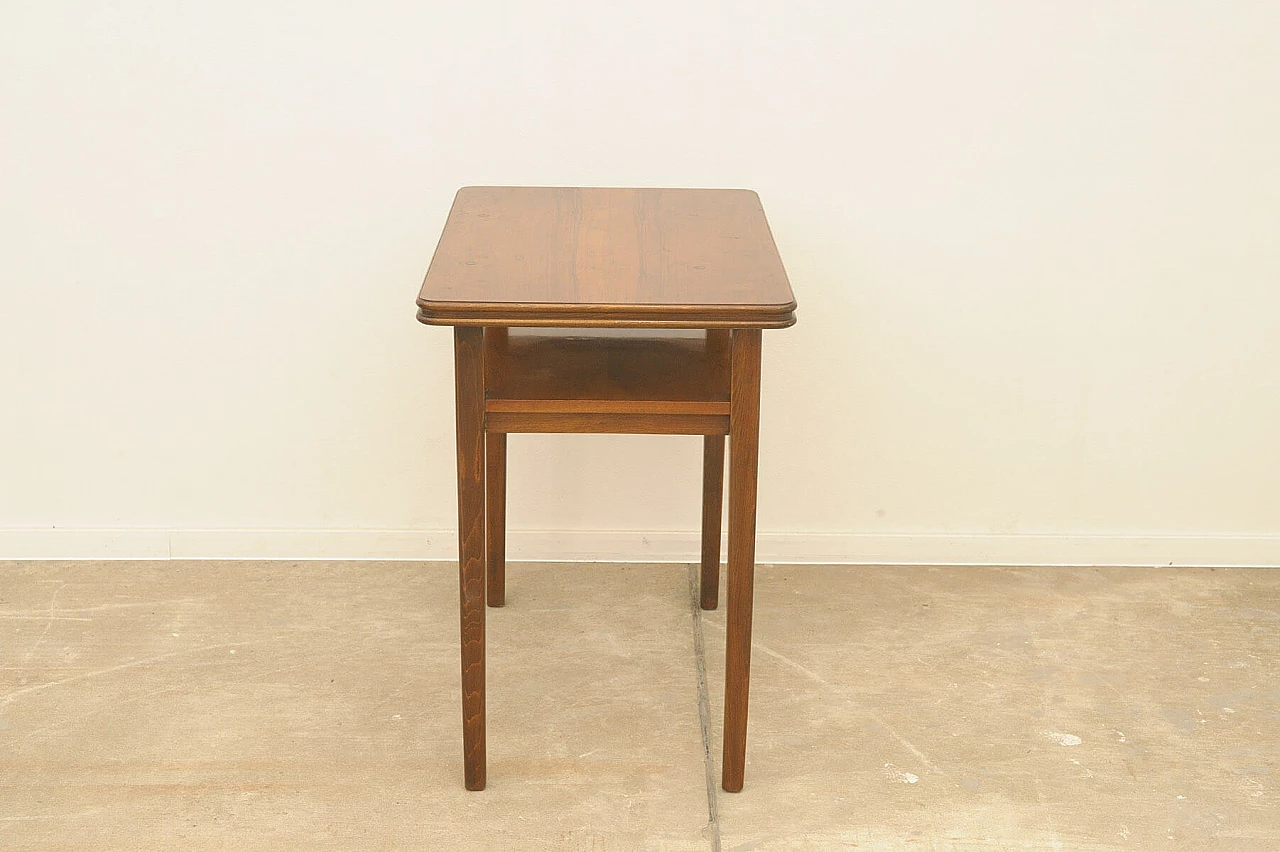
[{"x": 566, "y": 258}]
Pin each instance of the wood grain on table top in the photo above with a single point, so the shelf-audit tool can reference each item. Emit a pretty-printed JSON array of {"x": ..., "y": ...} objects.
[{"x": 567, "y": 256}]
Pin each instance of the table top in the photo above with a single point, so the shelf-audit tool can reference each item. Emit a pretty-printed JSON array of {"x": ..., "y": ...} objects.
[{"x": 570, "y": 257}]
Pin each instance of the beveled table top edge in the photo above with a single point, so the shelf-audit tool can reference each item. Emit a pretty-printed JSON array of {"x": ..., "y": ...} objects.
[{"x": 557, "y": 315}]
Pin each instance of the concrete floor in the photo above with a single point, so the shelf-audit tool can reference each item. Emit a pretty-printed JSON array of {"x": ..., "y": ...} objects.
[{"x": 315, "y": 706}]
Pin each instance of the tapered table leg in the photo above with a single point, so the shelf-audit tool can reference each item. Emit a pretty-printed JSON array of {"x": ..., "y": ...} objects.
[
  {"x": 744, "y": 431},
  {"x": 496, "y": 516},
  {"x": 468, "y": 362},
  {"x": 712, "y": 508}
]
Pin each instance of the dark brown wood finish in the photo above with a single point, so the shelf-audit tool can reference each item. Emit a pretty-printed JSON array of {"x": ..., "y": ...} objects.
[
  {"x": 609, "y": 375},
  {"x": 495, "y": 449},
  {"x": 468, "y": 359},
  {"x": 717, "y": 340},
  {"x": 743, "y": 453},
  {"x": 712, "y": 511},
  {"x": 624, "y": 424},
  {"x": 605, "y": 406},
  {"x": 570, "y": 256},
  {"x": 521, "y": 256},
  {"x": 496, "y": 342},
  {"x": 495, "y": 472}
]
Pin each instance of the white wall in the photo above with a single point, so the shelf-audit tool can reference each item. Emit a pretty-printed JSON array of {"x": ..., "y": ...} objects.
[{"x": 1035, "y": 247}]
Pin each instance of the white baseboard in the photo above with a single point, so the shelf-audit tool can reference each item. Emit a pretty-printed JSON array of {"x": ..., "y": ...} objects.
[{"x": 646, "y": 546}]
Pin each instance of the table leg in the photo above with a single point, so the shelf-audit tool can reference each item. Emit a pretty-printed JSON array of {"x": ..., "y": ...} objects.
[
  {"x": 712, "y": 507},
  {"x": 495, "y": 448},
  {"x": 744, "y": 431},
  {"x": 468, "y": 362}
]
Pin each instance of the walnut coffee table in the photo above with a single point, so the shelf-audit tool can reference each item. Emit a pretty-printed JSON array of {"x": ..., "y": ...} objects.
[{"x": 570, "y": 258}]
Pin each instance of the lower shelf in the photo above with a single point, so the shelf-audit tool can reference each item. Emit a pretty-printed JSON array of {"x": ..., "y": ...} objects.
[{"x": 572, "y": 377}]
